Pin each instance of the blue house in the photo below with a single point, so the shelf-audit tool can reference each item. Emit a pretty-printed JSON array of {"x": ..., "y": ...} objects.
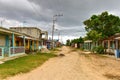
[{"x": 7, "y": 43}]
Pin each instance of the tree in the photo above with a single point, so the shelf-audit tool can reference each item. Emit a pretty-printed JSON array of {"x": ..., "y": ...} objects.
[
  {"x": 68, "y": 42},
  {"x": 94, "y": 35},
  {"x": 102, "y": 26},
  {"x": 77, "y": 40}
]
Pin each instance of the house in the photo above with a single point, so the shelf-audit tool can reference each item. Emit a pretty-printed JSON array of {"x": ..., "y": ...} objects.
[
  {"x": 88, "y": 45},
  {"x": 111, "y": 45},
  {"x": 44, "y": 39},
  {"x": 33, "y": 39},
  {"x": 7, "y": 43}
]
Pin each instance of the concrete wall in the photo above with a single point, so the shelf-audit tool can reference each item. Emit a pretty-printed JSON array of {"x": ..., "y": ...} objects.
[
  {"x": 34, "y": 32},
  {"x": 44, "y": 35}
]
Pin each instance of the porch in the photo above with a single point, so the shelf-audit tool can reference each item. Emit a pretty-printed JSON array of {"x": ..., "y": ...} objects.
[
  {"x": 8, "y": 47},
  {"x": 88, "y": 45},
  {"x": 30, "y": 44}
]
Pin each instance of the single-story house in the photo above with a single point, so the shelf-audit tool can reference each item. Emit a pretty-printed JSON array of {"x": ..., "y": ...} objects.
[
  {"x": 7, "y": 43},
  {"x": 111, "y": 44},
  {"x": 88, "y": 45}
]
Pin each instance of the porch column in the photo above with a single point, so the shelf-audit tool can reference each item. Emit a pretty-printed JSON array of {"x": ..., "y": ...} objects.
[
  {"x": 7, "y": 41},
  {"x": 113, "y": 45},
  {"x": 89, "y": 45},
  {"x": 116, "y": 44},
  {"x": 37, "y": 45},
  {"x": 117, "y": 55},
  {"x": 13, "y": 40},
  {"x": 13, "y": 44},
  {"x": 33, "y": 45},
  {"x": 108, "y": 44},
  {"x": 24, "y": 41},
  {"x": 29, "y": 44}
]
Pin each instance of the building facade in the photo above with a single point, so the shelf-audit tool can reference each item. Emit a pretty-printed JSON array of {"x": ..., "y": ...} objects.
[
  {"x": 35, "y": 40},
  {"x": 7, "y": 43}
]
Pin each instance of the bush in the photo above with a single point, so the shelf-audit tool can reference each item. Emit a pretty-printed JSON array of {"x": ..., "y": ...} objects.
[
  {"x": 98, "y": 49},
  {"x": 94, "y": 49}
]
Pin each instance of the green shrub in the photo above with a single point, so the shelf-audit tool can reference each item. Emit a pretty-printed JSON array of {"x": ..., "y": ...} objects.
[
  {"x": 94, "y": 49},
  {"x": 98, "y": 49}
]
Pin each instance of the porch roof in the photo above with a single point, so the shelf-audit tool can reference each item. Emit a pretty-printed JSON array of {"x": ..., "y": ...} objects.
[
  {"x": 28, "y": 37},
  {"x": 87, "y": 41},
  {"x": 116, "y": 36},
  {"x": 9, "y": 32}
]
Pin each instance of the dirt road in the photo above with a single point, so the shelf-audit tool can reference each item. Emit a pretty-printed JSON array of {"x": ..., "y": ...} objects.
[{"x": 75, "y": 65}]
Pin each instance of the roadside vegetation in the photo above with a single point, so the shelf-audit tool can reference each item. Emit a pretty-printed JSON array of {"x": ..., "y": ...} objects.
[{"x": 23, "y": 64}]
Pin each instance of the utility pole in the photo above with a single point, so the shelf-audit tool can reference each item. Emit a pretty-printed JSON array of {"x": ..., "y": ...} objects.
[
  {"x": 58, "y": 36},
  {"x": 1, "y": 22},
  {"x": 53, "y": 27}
]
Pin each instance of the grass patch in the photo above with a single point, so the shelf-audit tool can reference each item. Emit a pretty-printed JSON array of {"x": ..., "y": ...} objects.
[{"x": 23, "y": 64}]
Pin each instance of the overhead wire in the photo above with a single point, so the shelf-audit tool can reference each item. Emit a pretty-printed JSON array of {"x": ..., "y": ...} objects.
[{"x": 34, "y": 9}]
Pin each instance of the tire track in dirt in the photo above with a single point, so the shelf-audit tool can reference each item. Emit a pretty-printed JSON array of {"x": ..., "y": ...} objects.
[{"x": 72, "y": 66}]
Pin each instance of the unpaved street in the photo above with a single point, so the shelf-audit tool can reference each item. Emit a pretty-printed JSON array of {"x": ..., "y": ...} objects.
[{"x": 75, "y": 65}]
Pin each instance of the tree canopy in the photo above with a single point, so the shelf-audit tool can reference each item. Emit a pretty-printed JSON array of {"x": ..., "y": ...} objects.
[
  {"x": 68, "y": 42},
  {"x": 94, "y": 35},
  {"x": 102, "y": 26},
  {"x": 77, "y": 40}
]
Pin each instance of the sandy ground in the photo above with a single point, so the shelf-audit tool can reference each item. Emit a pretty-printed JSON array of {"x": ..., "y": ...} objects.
[{"x": 75, "y": 65}]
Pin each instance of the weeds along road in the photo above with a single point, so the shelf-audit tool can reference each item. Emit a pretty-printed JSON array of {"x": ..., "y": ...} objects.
[{"x": 75, "y": 65}]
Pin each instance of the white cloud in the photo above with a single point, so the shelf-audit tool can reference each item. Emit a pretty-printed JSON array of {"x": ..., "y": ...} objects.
[{"x": 40, "y": 12}]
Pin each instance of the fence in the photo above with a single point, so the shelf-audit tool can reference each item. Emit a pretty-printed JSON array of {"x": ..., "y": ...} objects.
[
  {"x": 11, "y": 51},
  {"x": 16, "y": 50}
]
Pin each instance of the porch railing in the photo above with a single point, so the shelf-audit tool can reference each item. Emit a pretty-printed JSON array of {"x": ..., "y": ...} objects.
[
  {"x": 17, "y": 50},
  {"x": 11, "y": 51},
  {"x": 1, "y": 52}
]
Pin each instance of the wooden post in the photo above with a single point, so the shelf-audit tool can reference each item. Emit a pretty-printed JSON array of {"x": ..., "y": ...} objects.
[
  {"x": 108, "y": 44},
  {"x": 13, "y": 40},
  {"x": 24, "y": 41}
]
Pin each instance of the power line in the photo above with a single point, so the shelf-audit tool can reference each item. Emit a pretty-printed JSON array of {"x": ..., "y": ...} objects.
[{"x": 34, "y": 9}]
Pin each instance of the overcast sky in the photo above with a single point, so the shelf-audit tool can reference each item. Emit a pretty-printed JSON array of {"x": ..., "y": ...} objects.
[{"x": 40, "y": 12}]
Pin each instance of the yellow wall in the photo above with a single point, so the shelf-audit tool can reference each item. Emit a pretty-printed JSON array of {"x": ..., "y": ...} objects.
[
  {"x": 28, "y": 44},
  {"x": 2, "y": 40},
  {"x": 14, "y": 41}
]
